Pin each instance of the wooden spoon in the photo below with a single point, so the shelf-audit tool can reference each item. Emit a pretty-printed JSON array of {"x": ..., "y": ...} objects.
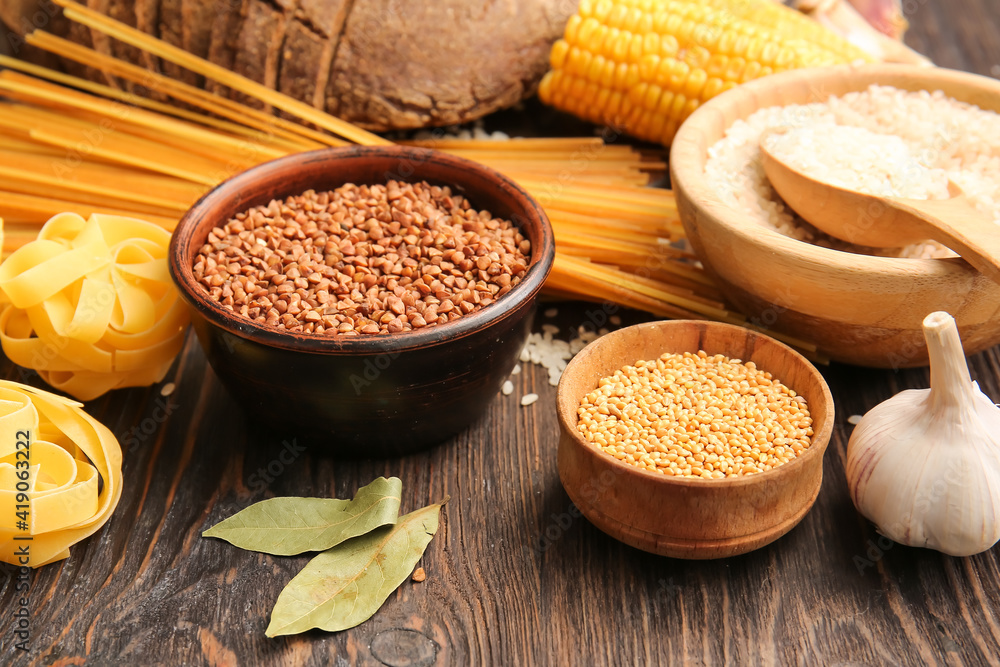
[{"x": 887, "y": 222}]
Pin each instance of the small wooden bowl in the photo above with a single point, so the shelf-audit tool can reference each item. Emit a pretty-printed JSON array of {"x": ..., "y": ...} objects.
[
  {"x": 858, "y": 309},
  {"x": 381, "y": 395},
  {"x": 686, "y": 517}
]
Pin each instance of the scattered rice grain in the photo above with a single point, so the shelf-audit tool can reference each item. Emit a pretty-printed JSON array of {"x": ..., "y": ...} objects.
[
  {"x": 528, "y": 399},
  {"x": 508, "y": 388}
]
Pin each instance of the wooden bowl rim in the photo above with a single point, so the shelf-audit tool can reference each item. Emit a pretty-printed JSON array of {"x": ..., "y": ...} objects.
[
  {"x": 820, "y": 439},
  {"x": 540, "y": 264},
  {"x": 687, "y": 166}
]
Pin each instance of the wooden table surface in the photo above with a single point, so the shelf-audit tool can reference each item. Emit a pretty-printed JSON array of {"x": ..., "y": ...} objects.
[{"x": 512, "y": 577}]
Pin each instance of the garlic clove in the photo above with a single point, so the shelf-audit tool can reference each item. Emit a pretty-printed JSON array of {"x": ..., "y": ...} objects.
[{"x": 924, "y": 466}]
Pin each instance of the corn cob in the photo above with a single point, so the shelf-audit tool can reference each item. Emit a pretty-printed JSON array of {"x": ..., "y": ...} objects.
[{"x": 643, "y": 66}]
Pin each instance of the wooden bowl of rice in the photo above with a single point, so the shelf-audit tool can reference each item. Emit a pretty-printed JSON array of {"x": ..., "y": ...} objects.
[{"x": 856, "y": 306}]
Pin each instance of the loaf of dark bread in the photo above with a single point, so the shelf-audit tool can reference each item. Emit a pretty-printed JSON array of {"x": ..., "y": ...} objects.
[{"x": 383, "y": 64}]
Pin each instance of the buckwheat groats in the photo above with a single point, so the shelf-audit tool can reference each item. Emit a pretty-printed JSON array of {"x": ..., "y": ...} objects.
[{"x": 362, "y": 260}]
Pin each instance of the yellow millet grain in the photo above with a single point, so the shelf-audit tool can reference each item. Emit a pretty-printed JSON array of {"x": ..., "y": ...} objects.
[{"x": 695, "y": 415}]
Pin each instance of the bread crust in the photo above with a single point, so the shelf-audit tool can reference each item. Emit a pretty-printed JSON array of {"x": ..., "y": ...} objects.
[{"x": 382, "y": 64}]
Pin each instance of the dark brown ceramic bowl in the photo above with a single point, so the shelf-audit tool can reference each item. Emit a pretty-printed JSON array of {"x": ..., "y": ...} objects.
[
  {"x": 685, "y": 517},
  {"x": 380, "y": 395}
]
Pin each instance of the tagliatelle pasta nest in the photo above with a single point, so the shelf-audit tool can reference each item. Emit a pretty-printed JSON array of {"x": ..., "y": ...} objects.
[
  {"x": 60, "y": 475},
  {"x": 92, "y": 307}
]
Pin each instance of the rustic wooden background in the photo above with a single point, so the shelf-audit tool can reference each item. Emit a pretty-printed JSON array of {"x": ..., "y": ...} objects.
[{"x": 512, "y": 579}]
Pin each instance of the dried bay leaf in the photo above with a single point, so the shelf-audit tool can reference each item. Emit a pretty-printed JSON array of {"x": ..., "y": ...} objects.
[
  {"x": 290, "y": 526},
  {"x": 344, "y": 586}
]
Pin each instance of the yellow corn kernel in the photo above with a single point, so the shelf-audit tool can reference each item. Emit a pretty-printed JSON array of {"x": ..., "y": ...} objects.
[
  {"x": 557, "y": 57},
  {"x": 643, "y": 123},
  {"x": 690, "y": 107},
  {"x": 571, "y": 62},
  {"x": 545, "y": 86},
  {"x": 753, "y": 50},
  {"x": 651, "y": 97},
  {"x": 635, "y": 48},
  {"x": 620, "y": 50},
  {"x": 601, "y": 101},
  {"x": 616, "y": 18},
  {"x": 632, "y": 77},
  {"x": 650, "y": 44},
  {"x": 695, "y": 83},
  {"x": 597, "y": 40},
  {"x": 579, "y": 61},
  {"x": 769, "y": 53},
  {"x": 633, "y": 19},
  {"x": 611, "y": 41},
  {"x": 679, "y": 102},
  {"x": 621, "y": 76},
  {"x": 644, "y": 25},
  {"x": 607, "y": 73},
  {"x": 712, "y": 88},
  {"x": 751, "y": 71},
  {"x": 666, "y": 72},
  {"x": 697, "y": 57},
  {"x": 717, "y": 65},
  {"x": 655, "y": 128},
  {"x": 596, "y": 70},
  {"x": 665, "y": 104},
  {"x": 660, "y": 19},
  {"x": 614, "y": 105},
  {"x": 735, "y": 70},
  {"x": 572, "y": 32},
  {"x": 679, "y": 75},
  {"x": 602, "y": 8},
  {"x": 585, "y": 34},
  {"x": 669, "y": 46},
  {"x": 637, "y": 94}
]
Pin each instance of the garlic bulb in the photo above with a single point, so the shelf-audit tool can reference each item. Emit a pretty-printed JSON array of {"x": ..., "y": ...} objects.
[{"x": 924, "y": 466}]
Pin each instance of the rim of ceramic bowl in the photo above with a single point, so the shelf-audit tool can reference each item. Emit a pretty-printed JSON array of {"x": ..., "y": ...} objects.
[
  {"x": 686, "y": 150},
  {"x": 817, "y": 448},
  {"x": 228, "y": 193}
]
